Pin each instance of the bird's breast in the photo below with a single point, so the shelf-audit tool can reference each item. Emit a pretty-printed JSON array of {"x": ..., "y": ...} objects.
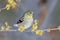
[{"x": 28, "y": 23}]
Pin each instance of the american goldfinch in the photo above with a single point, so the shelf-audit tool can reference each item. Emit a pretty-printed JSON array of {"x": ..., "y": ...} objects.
[{"x": 26, "y": 20}]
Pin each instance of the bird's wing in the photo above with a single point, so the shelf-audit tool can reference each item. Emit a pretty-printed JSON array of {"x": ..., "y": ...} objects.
[{"x": 20, "y": 21}]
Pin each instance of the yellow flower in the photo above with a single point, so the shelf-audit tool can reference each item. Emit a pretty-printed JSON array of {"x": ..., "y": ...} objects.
[
  {"x": 10, "y": 1},
  {"x": 6, "y": 23},
  {"x": 34, "y": 27},
  {"x": 59, "y": 28},
  {"x": 13, "y": 5},
  {"x": 7, "y": 29},
  {"x": 8, "y": 7},
  {"x": 48, "y": 30},
  {"x": 39, "y": 32},
  {"x": 2, "y": 28},
  {"x": 21, "y": 28},
  {"x": 35, "y": 22},
  {"x": 7, "y": 26}
]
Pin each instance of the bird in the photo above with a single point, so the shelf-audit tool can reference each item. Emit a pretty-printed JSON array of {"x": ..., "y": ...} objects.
[{"x": 26, "y": 20}]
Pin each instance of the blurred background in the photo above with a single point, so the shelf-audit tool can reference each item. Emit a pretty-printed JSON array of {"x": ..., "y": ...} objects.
[{"x": 48, "y": 15}]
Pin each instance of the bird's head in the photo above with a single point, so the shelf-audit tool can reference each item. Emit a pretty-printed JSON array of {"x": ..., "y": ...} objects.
[{"x": 29, "y": 14}]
